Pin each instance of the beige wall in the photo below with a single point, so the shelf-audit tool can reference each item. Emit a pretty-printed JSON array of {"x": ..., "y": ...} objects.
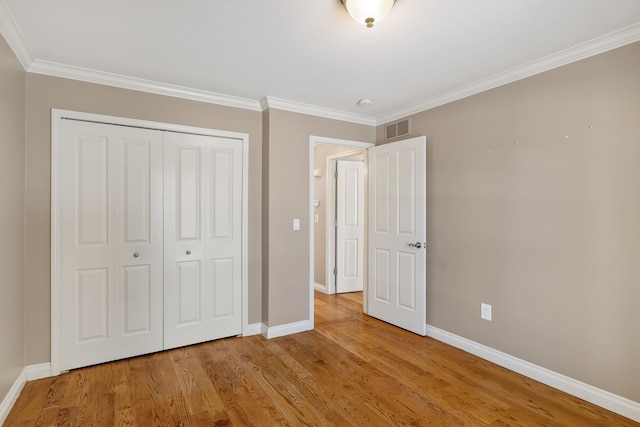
[
  {"x": 534, "y": 207},
  {"x": 320, "y": 154},
  {"x": 286, "y": 254},
  {"x": 12, "y": 78},
  {"x": 44, "y": 93}
]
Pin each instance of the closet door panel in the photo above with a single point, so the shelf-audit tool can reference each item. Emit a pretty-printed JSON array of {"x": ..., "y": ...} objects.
[
  {"x": 184, "y": 272},
  {"x": 148, "y": 241},
  {"x": 110, "y": 190},
  {"x": 224, "y": 238},
  {"x": 87, "y": 258},
  {"x": 203, "y": 182},
  {"x": 138, "y": 221}
]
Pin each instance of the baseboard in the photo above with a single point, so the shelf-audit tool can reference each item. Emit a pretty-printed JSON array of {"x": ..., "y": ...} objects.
[
  {"x": 253, "y": 329},
  {"x": 287, "y": 329},
  {"x": 612, "y": 402},
  {"x": 321, "y": 288},
  {"x": 29, "y": 373},
  {"x": 39, "y": 371}
]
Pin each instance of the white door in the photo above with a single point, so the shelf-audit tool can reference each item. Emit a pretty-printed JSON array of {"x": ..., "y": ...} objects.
[
  {"x": 203, "y": 214},
  {"x": 397, "y": 234},
  {"x": 350, "y": 226},
  {"x": 110, "y": 197}
]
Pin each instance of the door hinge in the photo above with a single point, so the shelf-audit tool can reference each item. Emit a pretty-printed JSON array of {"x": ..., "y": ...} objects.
[
  {"x": 335, "y": 174},
  {"x": 335, "y": 272}
]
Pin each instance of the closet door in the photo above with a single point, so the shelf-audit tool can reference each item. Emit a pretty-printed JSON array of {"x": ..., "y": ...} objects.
[
  {"x": 110, "y": 195},
  {"x": 202, "y": 205}
]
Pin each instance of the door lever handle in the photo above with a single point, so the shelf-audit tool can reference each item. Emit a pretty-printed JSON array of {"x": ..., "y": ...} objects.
[{"x": 416, "y": 245}]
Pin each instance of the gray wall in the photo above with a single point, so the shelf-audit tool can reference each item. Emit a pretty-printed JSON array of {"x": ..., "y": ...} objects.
[
  {"x": 533, "y": 206},
  {"x": 44, "y": 93},
  {"x": 12, "y": 359},
  {"x": 286, "y": 252}
]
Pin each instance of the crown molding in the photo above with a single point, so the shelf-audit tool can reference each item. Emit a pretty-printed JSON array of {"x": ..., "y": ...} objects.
[
  {"x": 13, "y": 35},
  {"x": 298, "y": 107},
  {"x": 596, "y": 46},
  {"x": 126, "y": 82}
]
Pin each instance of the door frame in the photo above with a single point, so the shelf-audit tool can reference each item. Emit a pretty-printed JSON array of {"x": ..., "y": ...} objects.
[
  {"x": 331, "y": 206},
  {"x": 313, "y": 140},
  {"x": 57, "y": 115}
]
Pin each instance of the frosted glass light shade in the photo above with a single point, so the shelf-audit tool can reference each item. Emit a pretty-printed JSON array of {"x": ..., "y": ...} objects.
[{"x": 368, "y": 12}]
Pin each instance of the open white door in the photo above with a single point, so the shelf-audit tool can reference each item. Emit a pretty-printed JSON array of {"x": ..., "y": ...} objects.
[
  {"x": 397, "y": 234},
  {"x": 350, "y": 226}
]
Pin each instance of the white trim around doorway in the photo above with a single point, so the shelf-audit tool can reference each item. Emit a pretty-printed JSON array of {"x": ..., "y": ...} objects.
[{"x": 313, "y": 140}]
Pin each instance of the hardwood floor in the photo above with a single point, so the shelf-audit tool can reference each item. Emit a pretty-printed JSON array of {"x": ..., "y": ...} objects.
[{"x": 352, "y": 370}]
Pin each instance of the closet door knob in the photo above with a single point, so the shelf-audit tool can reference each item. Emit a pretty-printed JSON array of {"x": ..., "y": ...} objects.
[
  {"x": 188, "y": 252},
  {"x": 136, "y": 255}
]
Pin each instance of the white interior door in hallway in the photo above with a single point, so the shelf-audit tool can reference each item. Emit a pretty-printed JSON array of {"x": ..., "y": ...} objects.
[
  {"x": 133, "y": 273},
  {"x": 350, "y": 215}
]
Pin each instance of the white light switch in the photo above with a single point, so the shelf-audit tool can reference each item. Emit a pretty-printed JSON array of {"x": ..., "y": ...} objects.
[
  {"x": 485, "y": 311},
  {"x": 296, "y": 223}
]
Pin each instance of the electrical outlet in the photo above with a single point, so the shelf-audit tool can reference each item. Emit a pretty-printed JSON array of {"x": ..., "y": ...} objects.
[{"x": 485, "y": 311}]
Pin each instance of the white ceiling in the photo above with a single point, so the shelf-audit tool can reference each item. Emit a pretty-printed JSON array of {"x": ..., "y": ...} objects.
[{"x": 310, "y": 54}]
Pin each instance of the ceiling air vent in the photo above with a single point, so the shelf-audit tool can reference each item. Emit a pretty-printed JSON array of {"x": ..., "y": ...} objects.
[{"x": 397, "y": 129}]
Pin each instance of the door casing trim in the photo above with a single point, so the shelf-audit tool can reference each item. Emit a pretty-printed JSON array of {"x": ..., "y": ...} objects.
[{"x": 313, "y": 140}]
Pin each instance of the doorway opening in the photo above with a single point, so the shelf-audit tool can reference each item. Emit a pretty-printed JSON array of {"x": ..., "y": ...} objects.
[
  {"x": 325, "y": 155},
  {"x": 339, "y": 245}
]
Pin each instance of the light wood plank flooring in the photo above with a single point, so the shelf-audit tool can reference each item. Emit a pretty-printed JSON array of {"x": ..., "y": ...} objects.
[{"x": 352, "y": 370}]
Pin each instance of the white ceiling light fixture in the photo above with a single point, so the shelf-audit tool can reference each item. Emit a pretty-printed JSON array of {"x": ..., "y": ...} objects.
[{"x": 368, "y": 12}]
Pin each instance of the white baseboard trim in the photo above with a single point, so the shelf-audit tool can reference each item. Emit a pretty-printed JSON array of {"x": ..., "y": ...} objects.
[
  {"x": 29, "y": 373},
  {"x": 612, "y": 402},
  {"x": 39, "y": 371},
  {"x": 287, "y": 329},
  {"x": 253, "y": 329},
  {"x": 322, "y": 288}
]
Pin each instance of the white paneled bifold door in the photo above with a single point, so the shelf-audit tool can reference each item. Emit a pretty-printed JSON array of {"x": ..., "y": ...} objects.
[
  {"x": 149, "y": 243},
  {"x": 111, "y": 242},
  {"x": 203, "y": 192}
]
